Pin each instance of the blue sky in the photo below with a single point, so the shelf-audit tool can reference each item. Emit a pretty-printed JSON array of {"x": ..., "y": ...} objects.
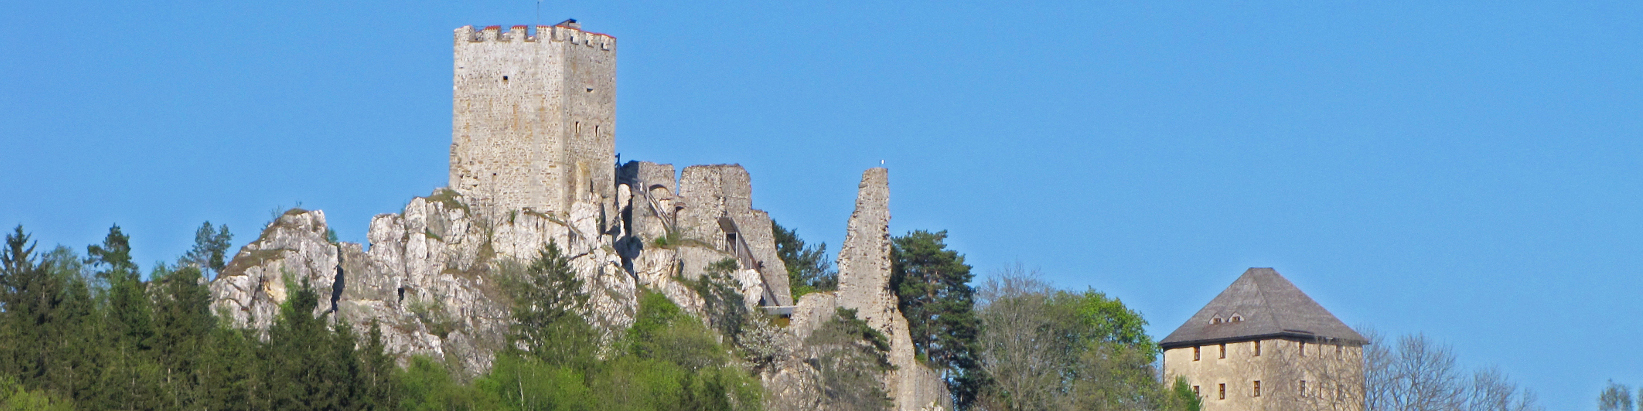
[{"x": 1467, "y": 170}]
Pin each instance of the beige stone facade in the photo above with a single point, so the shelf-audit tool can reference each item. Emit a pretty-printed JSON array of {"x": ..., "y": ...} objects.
[
  {"x": 1277, "y": 378},
  {"x": 1264, "y": 345},
  {"x": 533, "y": 121}
]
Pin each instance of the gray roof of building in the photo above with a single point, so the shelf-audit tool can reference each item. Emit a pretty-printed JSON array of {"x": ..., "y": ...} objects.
[{"x": 1270, "y": 307}]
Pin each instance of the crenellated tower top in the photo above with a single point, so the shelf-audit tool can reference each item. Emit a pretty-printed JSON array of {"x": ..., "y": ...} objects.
[{"x": 533, "y": 121}]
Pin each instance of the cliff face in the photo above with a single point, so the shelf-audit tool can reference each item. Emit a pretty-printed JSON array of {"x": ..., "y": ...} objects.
[{"x": 430, "y": 275}]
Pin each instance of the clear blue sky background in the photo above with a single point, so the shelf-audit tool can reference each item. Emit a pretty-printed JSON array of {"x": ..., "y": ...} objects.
[{"x": 1467, "y": 170}]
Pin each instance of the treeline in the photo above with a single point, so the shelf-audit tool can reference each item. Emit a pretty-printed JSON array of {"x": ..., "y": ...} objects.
[
  {"x": 88, "y": 332},
  {"x": 1016, "y": 343}
]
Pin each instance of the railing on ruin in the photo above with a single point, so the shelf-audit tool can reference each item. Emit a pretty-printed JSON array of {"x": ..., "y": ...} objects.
[{"x": 744, "y": 255}]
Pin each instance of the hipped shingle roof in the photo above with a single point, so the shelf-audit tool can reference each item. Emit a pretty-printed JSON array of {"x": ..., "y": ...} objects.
[{"x": 1269, "y": 306}]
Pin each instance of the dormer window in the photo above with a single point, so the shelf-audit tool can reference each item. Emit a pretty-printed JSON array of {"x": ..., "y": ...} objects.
[
  {"x": 1216, "y": 320},
  {"x": 1236, "y": 318}
]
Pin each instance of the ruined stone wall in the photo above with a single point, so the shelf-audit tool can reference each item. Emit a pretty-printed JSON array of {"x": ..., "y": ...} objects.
[
  {"x": 533, "y": 118},
  {"x": 652, "y": 188},
  {"x": 864, "y": 286},
  {"x": 725, "y": 190}
]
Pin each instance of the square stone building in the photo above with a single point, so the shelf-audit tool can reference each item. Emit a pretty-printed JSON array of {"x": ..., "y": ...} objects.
[{"x": 1262, "y": 344}]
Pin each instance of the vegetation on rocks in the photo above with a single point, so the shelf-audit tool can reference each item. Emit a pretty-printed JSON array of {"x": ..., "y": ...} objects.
[
  {"x": 91, "y": 331},
  {"x": 808, "y": 267}
]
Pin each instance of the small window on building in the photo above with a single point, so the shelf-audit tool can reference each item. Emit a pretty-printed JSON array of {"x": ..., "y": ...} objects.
[
  {"x": 1223, "y": 350},
  {"x": 1257, "y": 388},
  {"x": 1257, "y": 348},
  {"x": 1195, "y": 392},
  {"x": 1303, "y": 348},
  {"x": 504, "y": 79},
  {"x": 1303, "y": 388},
  {"x": 1195, "y": 353},
  {"x": 1337, "y": 350},
  {"x": 1223, "y": 391},
  {"x": 1237, "y": 318},
  {"x": 1216, "y": 320}
]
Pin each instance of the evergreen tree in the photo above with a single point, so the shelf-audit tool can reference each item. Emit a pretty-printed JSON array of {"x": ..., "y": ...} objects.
[
  {"x": 298, "y": 357},
  {"x": 227, "y": 371},
  {"x": 74, "y": 334},
  {"x": 184, "y": 323},
  {"x": 377, "y": 373},
  {"x": 933, "y": 291},
  {"x": 21, "y": 310},
  {"x": 547, "y": 305},
  {"x": 210, "y": 248},
  {"x": 133, "y": 378},
  {"x": 808, "y": 269}
]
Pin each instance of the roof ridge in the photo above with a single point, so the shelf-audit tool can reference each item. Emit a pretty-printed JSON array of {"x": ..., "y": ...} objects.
[{"x": 1265, "y": 305}]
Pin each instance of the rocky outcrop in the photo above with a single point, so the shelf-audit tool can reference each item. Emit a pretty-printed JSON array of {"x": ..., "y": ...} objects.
[{"x": 430, "y": 276}]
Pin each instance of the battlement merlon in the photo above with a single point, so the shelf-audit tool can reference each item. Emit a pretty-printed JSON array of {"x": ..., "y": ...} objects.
[{"x": 569, "y": 31}]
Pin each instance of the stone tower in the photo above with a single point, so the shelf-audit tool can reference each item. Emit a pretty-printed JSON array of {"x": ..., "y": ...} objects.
[
  {"x": 1263, "y": 345},
  {"x": 533, "y": 119}
]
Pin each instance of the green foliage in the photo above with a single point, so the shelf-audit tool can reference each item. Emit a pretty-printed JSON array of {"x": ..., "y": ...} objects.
[
  {"x": 426, "y": 385},
  {"x": 722, "y": 302},
  {"x": 668, "y": 360},
  {"x": 92, "y": 333},
  {"x": 850, "y": 356},
  {"x": 300, "y": 358},
  {"x": 670, "y": 239},
  {"x": 432, "y": 314},
  {"x": 14, "y": 397},
  {"x": 547, "y": 304},
  {"x": 808, "y": 269},
  {"x": 933, "y": 291},
  {"x": 210, "y": 248},
  {"x": 1048, "y": 349},
  {"x": 1181, "y": 397},
  {"x": 1098, "y": 319}
]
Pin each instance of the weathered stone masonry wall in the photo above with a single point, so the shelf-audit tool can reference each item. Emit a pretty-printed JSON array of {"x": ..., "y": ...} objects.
[{"x": 533, "y": 119}]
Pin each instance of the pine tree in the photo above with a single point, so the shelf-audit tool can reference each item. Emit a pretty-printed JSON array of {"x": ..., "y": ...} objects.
[
  {"x": 933, "y": 291},
  {"x": 377, "y": 373},
  {"x": 184, "y": 323},
  {"x": 210, "y": 248},
  {"x": 547, "y": 304},
  {"x": 20, "y": 311},
  {"x": 807, "y": 267},
  {"x": 227, "y": 371},
  {"x": 295, "y": 354},
  {"x": 74, "y": 335},
  {"x": 133, "y": 378}
]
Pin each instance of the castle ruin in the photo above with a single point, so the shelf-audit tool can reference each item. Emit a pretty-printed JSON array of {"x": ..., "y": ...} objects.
[{"x": 533, "y": 128}]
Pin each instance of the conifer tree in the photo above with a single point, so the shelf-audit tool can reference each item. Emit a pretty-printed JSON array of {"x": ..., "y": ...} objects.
[
  {"x": 184, "y": 323},
  {"x": 933, "y": 291},
  {"x": 228, "y": 370},
  {"x": 77, "y": 357},
  {"x": 377, "y": 373},
  {"x": 547, "y": 304},
  {"x": 296, "y": 355},
  {"x": 210, "y": 249},
  {"x": 133, "y": 377}
]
